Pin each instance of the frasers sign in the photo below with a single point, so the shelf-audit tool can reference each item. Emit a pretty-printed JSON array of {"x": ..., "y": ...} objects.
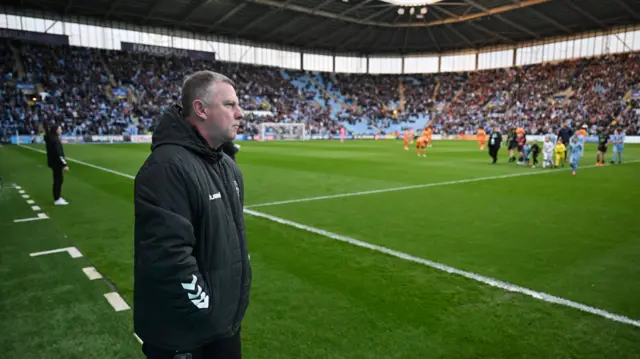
[{"x": 168, "y": 51}]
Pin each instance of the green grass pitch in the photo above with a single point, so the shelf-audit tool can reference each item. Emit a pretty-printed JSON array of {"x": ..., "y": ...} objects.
[{"x": 576, "y": 238}]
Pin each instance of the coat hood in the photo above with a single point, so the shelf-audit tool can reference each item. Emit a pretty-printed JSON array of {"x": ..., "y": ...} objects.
[{"x": 174, "y": 129}]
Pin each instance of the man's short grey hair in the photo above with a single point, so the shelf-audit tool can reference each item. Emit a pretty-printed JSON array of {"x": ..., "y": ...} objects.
[{"x": 197, "y": 86}]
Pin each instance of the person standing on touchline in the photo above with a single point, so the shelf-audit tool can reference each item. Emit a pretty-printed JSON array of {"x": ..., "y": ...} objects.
[{"x": 57, "y": 162}]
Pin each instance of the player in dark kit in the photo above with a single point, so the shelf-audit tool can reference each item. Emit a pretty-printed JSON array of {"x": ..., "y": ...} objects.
[
  {"x": 520, "y": 142},
  {"x": 512, "y": 142},
  {"x": 603, "y": 143},
  {"x": 495, "y": 141},
  {"x": 565, "y": 134},
  {"x": 535, "y": 151}
]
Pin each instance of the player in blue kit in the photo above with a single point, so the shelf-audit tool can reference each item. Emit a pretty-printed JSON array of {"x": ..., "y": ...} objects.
[
  {"x": 618, "y": 145},
  {"x": 575, "y": 152}
]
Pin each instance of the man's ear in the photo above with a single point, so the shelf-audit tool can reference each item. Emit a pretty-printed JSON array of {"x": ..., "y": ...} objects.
[{"x": 199, "y": 109}]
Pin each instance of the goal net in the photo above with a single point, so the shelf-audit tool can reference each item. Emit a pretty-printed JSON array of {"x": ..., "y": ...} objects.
[{"x": 282, "y": 131}]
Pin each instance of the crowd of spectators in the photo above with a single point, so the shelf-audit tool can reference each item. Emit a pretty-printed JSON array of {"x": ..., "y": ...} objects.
[
  {"x": 92, "y": 91},
  {"x": 594, "y": 91}
]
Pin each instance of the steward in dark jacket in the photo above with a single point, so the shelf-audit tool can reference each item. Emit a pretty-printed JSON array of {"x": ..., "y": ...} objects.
[
  {"x": 57, "y": 162},
  {"x": 192, "y": 271}
]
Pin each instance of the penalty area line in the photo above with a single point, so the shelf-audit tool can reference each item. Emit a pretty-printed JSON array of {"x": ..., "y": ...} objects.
[{"x": 443, "y": 267}]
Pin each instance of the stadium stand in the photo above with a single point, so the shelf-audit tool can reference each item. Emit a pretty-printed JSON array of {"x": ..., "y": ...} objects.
[{"x": 93, "y": 91}]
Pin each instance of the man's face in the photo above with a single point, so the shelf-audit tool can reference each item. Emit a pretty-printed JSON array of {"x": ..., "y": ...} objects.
[{"x": 223, "y": 114}]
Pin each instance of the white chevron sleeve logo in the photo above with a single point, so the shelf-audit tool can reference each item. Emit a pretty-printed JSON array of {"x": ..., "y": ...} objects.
[{"x": 200, "y": 299}]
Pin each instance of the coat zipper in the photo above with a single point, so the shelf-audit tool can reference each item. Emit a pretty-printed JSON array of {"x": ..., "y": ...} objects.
[{"x": 242, "y": 252}]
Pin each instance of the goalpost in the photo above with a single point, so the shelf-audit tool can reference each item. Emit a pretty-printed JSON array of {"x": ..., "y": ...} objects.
[{"x": 282, "y": 131}]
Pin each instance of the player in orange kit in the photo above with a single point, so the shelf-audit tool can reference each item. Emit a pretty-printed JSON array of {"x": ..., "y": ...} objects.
[
  {"x": 411, "y": 135},
  {"x": 421, "y": 143},
  {"x": 482, "y": 136},
  {"x": 427, "y": 135},
  {"x": 406, "y": 140}
]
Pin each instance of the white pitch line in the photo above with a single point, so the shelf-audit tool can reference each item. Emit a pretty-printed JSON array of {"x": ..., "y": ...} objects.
[
  {"x": 92, "y": 273},
  {"x": 16, "y": 186},
  {"x": 40, "y": 217},
  {"x": 487, "y": 280},
  {"x": 30, "y": 201},
  {"x": 470, "y": 275},
  {"x": 418, "y": 186},
  {"x": 21, "y": 191},
  {"x": 35, "y": 208},
  {"x": 73, "y": 252},
  {"x": 116, "y": 301},
  {"x": 25, "y": 196}
]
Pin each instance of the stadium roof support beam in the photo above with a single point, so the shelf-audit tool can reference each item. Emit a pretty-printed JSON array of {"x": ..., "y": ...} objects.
[
  {"x": 482, "y": 28},
  {"x": 112, "y": 7},
  {"x": 227, "y": 16},
  {"x": 628, "y": 8},
  {"x": 450, "y": 27},
  {"x": 377, "y": 13},
  {"x": 368, "y": 22},
  {"x": 333, "y": 34},
  {"x": 368, "y": 33},
  {"x": 66, "y": 9},
  {"x": 503, "y": 19},
  {"x": 550, "y": 20},
  {"x": 585, "y": 13},
  {"x": 393, "y": 37},
  {"x": 262, "y": 18},
  {"x": 152, "y": 9},
  {"x": 309, "y": 31},
  {"x": 294, "y": 20},
  {"x": 190, "y": 12},
  {"x": 406, "y": 39},
  {"x": 353, "y": 8},
  {"x": 433, "y": 38}
]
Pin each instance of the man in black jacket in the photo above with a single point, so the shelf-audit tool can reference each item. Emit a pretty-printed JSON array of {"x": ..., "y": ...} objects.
[
  {"x": 57, "y": 162},
  {"x": 565, "y": 134},
  {"x": 495, "y": 142},
  {"x": 192, "y": 273}
]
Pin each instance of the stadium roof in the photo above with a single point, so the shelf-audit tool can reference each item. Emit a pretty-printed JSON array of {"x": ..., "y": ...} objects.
[{"x": 363, "y": 26}]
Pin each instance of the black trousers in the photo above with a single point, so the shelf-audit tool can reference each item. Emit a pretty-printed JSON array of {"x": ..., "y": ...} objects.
[
  {"x": 227, "y": 348},
  {"x": 493, "y": 152},
  {"x": 58, "y": 178}
]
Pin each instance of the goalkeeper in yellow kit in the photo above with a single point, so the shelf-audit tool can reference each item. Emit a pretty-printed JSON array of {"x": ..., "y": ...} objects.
[{"x": 560, "y": 150}]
